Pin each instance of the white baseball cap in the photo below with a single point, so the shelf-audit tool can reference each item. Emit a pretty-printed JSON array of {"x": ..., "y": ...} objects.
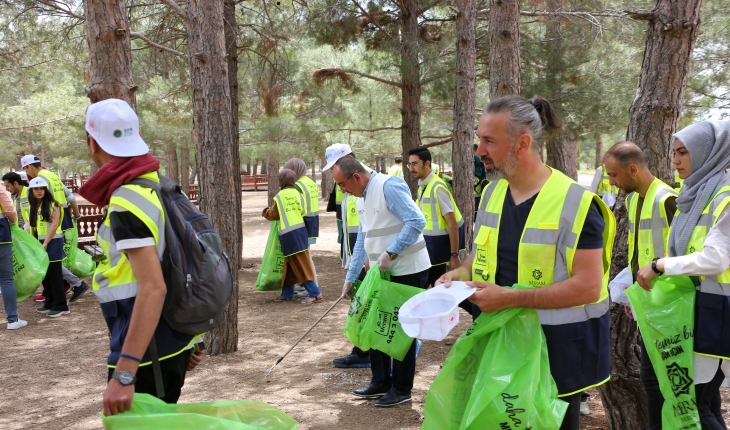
[
  {"x": 432, "y": 314},
  {"x": 37, "y": 183},
  {"x": 115, "y": 127},
  {"x": 334, "y": 153},
  {"x": 28, "y": 160},
  {"x": 23, "y": 176}
]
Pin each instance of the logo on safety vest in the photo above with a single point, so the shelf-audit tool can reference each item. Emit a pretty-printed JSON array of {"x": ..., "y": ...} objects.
[
  {"x": 481, "y": 256},
  {"x": 679, "y": 378},
  {"x": 537, "y": 274},
  {"x": 691, "y": 249}
]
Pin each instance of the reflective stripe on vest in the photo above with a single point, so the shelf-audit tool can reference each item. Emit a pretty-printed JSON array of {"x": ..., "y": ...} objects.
[
  {"x": 712, "y": 309},
  {"x": 55, "y": 186},
  {"x": 292, "y": 232},
  {"x": 436, "y": 224},
  {"x": 653, "y": 229},
  {"x": 546, "y": 251},
  {"x": 114, "y": 278},
  {"x": 311, "y": 195}
]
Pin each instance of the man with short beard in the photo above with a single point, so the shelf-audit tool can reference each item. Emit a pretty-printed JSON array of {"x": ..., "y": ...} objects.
[{"x": 539, "y": 228}]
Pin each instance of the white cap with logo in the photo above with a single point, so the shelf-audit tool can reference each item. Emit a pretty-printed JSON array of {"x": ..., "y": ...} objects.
[
  {"x": 37, "y": 183},
  {"x": 115, "y": 127},
  {"x": 334, "y": 153},
  {"x": 23, "y": 176},
  {"x": 29, "y": 159}
]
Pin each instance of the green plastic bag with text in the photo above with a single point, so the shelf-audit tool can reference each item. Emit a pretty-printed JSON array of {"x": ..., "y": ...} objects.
[
  {"x": 496, "y": 377},
  {"x": 149, "y": 412},
  {"x": 30, "y": 262},
  {"x": 666, "y": 321},
  {"x": 272, "y": 265},
  {"x": 77, "y": 261},
  {"x": 372, "y": 321}
]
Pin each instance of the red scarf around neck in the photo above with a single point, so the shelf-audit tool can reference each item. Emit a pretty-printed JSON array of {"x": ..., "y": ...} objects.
[{"x": 119, "y": 171}]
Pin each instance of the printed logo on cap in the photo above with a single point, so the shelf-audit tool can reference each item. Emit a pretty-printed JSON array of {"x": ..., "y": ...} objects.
[{"x": 117, "y": 133}]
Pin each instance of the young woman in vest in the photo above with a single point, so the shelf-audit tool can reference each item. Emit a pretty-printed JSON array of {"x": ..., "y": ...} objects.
[
  {"x": 699, "y": 246},
  {"x": 45, "y": 223},
  {"x": 289, "y": 211},
  {"x": 310, "y": 193}
]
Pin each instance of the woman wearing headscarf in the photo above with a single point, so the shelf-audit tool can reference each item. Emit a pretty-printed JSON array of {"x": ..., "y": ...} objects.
[
  {"x": 699, "y": 246},
  {"x": 310, "y": 193},
  {"x": 289, "y": 211}
]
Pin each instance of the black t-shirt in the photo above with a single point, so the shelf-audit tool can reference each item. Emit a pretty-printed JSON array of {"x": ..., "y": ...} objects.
[{"x": 512, "y": 223}]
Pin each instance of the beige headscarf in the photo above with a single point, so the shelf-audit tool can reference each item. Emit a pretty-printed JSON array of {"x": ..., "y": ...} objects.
[
  {"x": 287, "y": 178},
  {"x": 298, "y": 166}
]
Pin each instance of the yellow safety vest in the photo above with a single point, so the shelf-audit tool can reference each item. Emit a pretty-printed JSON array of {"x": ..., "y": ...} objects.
[
  {"x": 712, "y": 329},
  {"x": 353, "y": 222},
  {"x": 678, "y": 180},
  {"x": 55, "y": 186},
  {"x": 24, "y": 204},
  {"x": 436, "y": 231},
  {"x": 435, "y": 168},
  {"x": 396, "y": 170},
  {"x": 310, "y": 191},
  {"x": 292, "y": 232},
  {"x": 41, "y": 227},
  {"x": 605, "y": 185},
  {"x": 653, "y": 224},
  {"x": 547, "y": 247}
]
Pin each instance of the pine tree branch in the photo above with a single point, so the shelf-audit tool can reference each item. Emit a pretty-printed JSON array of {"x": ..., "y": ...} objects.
[
  {"x": 431, "y": 6},
  {"x": 10, "y": 69},
  {"x": 363, "y": 130},
  {"x": 176, "y": 7},
  {"x": 370, "y": 18},
  {"x": 40, "y": 123},
  {"x": 438, "y": 142},
  {"x": 135, "y": 35},
  {"x": 54, "y": 5},
  {"x": 330, "y": 72}
]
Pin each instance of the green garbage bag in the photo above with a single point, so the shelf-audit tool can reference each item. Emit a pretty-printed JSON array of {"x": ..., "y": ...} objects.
[
  {"x": 666, "y": 321},
  {"x": 496, "y": 376},
  {"x": 372, "y": 321},
  {"x": 77, "y": 261},
  {"x": 149, "y": 412},
  {"x": 272, "y": 265},
  {"x": 30, "y": 262}
]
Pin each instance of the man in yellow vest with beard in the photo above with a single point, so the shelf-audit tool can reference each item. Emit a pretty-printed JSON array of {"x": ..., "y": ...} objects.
[
  {"x": 537, "y": 227},
  {"x": 650, "y": 205}
]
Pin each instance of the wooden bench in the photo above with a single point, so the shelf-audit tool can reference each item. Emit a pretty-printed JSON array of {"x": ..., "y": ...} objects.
[
  {"x": 194, "y": 195},
  {"x": 87, "y": 226},
  {"x": 248, "y": 181},
  {"x": 90, "y": 210},
  {"x": 71, "y": 185}
]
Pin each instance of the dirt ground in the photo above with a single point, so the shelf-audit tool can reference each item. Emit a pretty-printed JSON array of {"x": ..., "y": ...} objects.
[{"x": 53, "y": 373}]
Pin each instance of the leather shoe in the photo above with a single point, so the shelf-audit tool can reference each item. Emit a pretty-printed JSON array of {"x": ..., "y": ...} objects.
[
  {"x": 392, "y": 399},
  {"x": 352, "y": 361},
  {"x": 370, "y": 392}
]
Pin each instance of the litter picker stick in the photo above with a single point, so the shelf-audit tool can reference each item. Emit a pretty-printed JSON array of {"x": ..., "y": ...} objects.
[{"x": 302, "y": 336}]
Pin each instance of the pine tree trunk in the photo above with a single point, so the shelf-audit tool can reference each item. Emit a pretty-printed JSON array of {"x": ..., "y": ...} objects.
[
  {"x": 214, "y": 143},
  {"x": 263, "y": 167},
  {"x": 562, "y": 154},
  {"x": 326, "y": 180},
  {"x": 653, "y": 118},
  {"x": 462, "y": 152},
  {"x": 171, "y": 168},
  {"x": 231, "y": 33},
  {"x": 599, "y": 152},
  {"x": 255, "y": 166},
  {"x": 504, "y": 48},
  {"x": 410, "y": 70},
  {"x": 110, "y": 51},
  {"x": 273, "y": 176},
  {"x": 185, "y": 166}
]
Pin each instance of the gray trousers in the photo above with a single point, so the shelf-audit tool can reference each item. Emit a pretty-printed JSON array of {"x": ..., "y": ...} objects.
[{"x": 70, "y": 278}]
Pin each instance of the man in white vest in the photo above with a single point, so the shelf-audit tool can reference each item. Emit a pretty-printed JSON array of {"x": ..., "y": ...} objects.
[{"x": 390, "y": 234}]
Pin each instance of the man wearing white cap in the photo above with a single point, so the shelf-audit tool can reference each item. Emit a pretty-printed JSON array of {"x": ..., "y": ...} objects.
[{"x": 128, "y": 280}]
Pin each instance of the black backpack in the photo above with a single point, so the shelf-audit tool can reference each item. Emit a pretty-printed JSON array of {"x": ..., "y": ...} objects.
[{"x": 197, "y": 272}]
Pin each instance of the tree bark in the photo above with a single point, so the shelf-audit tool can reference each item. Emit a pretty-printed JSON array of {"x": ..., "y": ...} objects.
[
  {"x": 599, "y": 152},
  {"x": 562, "y": 154},
  {"x": 110, "y": 51},
  {"x": 653, "y": 118},
  {"x": 273, "y": 176},
  {"x": 171, "y": 162},
  {"x": 230, "y": 28},
  {"x": 410, "y": 70},
  {"x": 462, "y": 152},
  {"x": 326, "y": 180},
  {"x": 255, "y": 166},
  {"x": 504, "y": 48},
  {"x": 185, "y": 167},
  {"x": 214, "y": 142}
]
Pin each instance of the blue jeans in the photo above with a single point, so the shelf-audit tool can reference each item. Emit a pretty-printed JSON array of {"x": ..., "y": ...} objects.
[
  {"x": 7, "y": 287},
  {"x": 288, "y": 291}
]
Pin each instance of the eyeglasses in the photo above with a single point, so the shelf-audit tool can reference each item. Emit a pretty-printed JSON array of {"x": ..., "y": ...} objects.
[{"x": 342, "y": 184}]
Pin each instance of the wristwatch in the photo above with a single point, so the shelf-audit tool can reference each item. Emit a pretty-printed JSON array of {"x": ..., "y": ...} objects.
[
  {"x": 392, "y": 255},
  {"x": 654, "y": 268},
  {"x": 124, "y": 377},
  {"x": 454, "y": 254}
]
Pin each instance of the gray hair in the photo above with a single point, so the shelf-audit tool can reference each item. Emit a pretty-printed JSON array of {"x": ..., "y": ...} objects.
[
  {"x": 349, "y": 166},
  {"x": 535, "y": 116}
]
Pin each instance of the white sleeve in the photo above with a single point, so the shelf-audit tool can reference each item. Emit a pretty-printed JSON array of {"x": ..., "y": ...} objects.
[
  {"x": 714, "y": 257},
  {"x": 444, "y": 201},
  {"x": 69, "y": 195},
  {"x": 596, "y": 180}
]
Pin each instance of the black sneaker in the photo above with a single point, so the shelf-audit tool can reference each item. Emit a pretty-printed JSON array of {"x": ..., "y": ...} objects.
[
  {"x": 370, "y": 392},
  {"x": 79, "y": 291},
  {"x": 43, "y": 310},
  {"x": 56, "y": 314},
  {"x": 392, "y": 399},
  {"x": 352, "y": 361}
]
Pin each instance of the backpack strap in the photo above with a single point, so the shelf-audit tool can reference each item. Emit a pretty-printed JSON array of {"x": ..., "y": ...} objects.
[{"x": 156, "y": 370}]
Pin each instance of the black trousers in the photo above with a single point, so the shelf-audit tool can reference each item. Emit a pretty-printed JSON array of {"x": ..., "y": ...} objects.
[
  {"x": 571, "y": 421},
  {"x": 53, "y": 288},
  {"x": 173, "y": 377},
  {"x": 403, "y": 371},
  {"x": 434, "y": 273}
]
